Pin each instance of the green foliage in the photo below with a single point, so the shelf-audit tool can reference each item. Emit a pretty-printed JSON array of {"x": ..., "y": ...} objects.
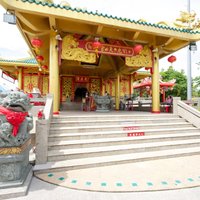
[
  {"x": 196, "y": 87},
  {"x": 180, "y": 88},
  {"x": 196, "y": 81}
]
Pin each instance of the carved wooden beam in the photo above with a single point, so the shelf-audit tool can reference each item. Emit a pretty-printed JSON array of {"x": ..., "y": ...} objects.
[
  {"x": 52, "y": 23},
  {"x": 169, "y": 41},
  {"x": 99, "y": 29},
  {"x": 36, "y": 25},
  {"x": 36, "y": 33},
  {"x": 109, "y": 74},
  {"x": 136, "y": 35}
]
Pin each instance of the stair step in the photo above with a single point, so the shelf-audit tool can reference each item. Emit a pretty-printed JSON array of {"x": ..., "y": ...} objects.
[
  {"x": 100, "y": 142},
  {"x": 117, "y": 127},
  {"x": 96, "y": 116},
  {"x": 56, "y": 155},
  {"x": 107, "y": 134},
  {"x": 114, "y": 121},
  {"x": 114, "y": 159},
  {"x": 91, "y": 140}
]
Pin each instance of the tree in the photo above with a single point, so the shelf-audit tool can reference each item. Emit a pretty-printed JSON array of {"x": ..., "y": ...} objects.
[
  {"x": 196, "y": 86},
  {"x": 180, "y": 88}
]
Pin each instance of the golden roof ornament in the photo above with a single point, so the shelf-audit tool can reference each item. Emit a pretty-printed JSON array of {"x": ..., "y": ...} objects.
[
  {"x": 45, "y": 1},
  {"x": 64, "y": 3},
  {"x": 187, "y": 20}
]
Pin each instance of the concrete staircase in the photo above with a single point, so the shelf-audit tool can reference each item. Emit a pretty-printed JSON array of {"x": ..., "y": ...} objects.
[{"x": 82, "y": 141}]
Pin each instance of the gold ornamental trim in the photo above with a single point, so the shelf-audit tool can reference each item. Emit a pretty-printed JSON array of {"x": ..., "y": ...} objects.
[
  {"x": 71, "y": 51},
  {"x": 187, "y": 20},
  {"x": 15, "y": 150},
  {"x": 144, "y": 59}
]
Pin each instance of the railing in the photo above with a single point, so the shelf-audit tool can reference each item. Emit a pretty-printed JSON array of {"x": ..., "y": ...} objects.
[
  {"x": 38, "y": 100},
  {"x": 187, "y": 112},
  {"x": 140, "y": 105},
  {"x": 42, "y": 131},
  {"x": 146, "y": 105},
  {"x": 37, "y": 104},
  {"x": 195, "y": 103}
]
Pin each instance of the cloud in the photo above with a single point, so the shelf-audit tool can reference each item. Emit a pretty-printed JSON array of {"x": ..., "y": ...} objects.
[
  {"x": 10, "y": 36},
  {"x": 13, "y": 53}
]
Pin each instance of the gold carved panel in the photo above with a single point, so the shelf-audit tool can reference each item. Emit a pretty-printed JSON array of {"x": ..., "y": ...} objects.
[
  {"x": 71, "y": 51},
  {"x": 30, "y": 81},
  {"x": 110, "y": 86},
  {"x": 95, "y": 86},
  {"x": 45, "y": 85},
  {"x": 124, "y": 88},
  {"x": 144, "y": 59},
  {"x": 15, "y": 150},
  {"x": 67, "y": 87}
]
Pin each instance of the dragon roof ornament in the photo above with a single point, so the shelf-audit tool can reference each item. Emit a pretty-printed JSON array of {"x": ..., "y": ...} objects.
[{"x": 187, "y": 20}]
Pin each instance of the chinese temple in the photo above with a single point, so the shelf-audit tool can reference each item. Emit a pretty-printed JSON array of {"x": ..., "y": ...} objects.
[{"x": 79, "y": 51}]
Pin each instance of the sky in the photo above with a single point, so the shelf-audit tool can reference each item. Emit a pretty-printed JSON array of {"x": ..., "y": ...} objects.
[{"x": 12, "y": 45}]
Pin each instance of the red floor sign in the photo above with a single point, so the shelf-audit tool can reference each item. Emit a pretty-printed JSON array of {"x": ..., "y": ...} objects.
[{"x": 135, "y": 134}]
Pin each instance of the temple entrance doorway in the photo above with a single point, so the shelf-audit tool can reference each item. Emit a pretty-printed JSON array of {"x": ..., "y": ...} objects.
[{"x": 80, "y": 92}]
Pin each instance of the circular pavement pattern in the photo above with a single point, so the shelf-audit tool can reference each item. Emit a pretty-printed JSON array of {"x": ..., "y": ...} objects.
[{"x": 165, "y": 174}]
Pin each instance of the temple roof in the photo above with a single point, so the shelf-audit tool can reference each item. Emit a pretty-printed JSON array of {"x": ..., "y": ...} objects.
[
  {"x": 148, "y": 83},
  {"x": 24, "y": 61},
  {"x": 11, "y": 66},
  {"x": 39, "y": 19},
  {"x": 96, "y": 13}
]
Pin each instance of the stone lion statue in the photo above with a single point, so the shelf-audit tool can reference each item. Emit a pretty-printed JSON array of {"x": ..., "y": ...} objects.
[{"x": 15, "y": 121}]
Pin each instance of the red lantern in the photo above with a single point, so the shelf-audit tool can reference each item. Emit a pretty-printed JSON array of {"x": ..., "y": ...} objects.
[
  {"x": 96, "y": 45},
  {"x": 171, "y": 59},
  {"x": 44, "y": 67},
  {"x": 137, "y": 49},
  {"x": 39, "y": 58},
  {"x": 37, "y": 43}
]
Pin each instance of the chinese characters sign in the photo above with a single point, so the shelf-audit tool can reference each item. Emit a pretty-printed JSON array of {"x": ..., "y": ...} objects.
[
  {"x": 115, "y": 50},
  {"x": 82, "y": 79}
]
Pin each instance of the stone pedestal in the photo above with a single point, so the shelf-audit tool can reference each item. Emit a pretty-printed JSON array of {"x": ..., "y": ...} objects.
[
  {"x": 103, "y": 103},
  {"x": 14, "y": 170}
]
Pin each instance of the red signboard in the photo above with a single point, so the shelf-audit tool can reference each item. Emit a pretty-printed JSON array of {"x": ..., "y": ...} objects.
[
  {"x": 82, "y": 79},
  {"x": 135, "y": 134},
  {"x": 115, "y": 50}
]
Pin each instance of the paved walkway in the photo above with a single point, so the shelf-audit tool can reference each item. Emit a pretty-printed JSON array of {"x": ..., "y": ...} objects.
[
  {"x": 45, "y": 191},
  {"x": 163, "y": 174},
  {"x": 174, "y": 178}
]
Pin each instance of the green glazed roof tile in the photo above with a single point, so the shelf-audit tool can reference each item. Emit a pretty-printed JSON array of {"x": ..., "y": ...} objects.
[
  {"x": 24, "y": 61},
  {"x": 111, "y": 16}
]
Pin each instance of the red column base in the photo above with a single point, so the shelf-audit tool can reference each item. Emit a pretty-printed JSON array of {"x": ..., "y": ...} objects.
[
  {"x": 155, "y": 112},
  {"x": 56, "y": 113}
]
